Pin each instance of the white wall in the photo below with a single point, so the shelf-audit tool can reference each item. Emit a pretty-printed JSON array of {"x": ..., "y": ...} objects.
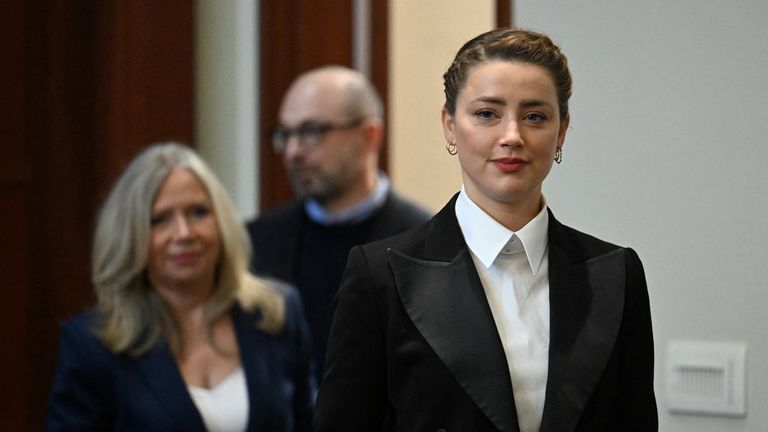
[{"x": 666, "y": 154}]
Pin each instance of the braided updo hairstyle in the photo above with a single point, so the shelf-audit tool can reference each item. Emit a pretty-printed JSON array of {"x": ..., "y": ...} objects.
[{"x": 510, "y": 45}]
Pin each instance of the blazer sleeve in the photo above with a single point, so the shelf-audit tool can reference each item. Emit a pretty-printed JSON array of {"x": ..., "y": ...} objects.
[
  {"x": 636, "y": 402},
  {"x": 80, "y": 398},
  {"x": 352, "y": 396},
  {"x": 303, "y": 373}
]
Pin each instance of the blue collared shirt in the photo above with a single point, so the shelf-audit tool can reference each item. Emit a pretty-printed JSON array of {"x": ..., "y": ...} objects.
[{"x": 357, "y": 213}]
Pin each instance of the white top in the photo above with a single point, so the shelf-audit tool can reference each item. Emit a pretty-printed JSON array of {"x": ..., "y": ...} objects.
[
  {"x": 224, "y": 408},
  {"x": 514, "y": 270}
]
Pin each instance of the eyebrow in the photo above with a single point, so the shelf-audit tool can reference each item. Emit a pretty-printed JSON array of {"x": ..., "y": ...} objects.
[
  {"x": 535, "y": 103},
  {"x": 490, "y": 99},
  {"x": 530, "y": 103}
]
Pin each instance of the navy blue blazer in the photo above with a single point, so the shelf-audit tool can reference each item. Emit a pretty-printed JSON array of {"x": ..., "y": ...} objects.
[
  {"x": 95, "y": 389},
  {"x": 414, "y": 346}
]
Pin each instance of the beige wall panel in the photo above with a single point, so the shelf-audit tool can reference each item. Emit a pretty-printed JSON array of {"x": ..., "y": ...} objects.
[{"x": 424, "y": 36}]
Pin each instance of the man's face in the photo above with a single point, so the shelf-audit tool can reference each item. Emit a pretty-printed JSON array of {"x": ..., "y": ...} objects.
[{"x": 325, "y": 155}]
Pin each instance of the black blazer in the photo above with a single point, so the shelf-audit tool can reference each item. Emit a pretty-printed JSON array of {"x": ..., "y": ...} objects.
[
  {"x": 96, "y": 390},
  {"x": 414, "y": 347}
]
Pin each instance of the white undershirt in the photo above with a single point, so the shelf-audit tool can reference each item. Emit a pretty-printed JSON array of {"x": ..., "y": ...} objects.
[
  {"x": 224, "y": 408},
  {"x": 514, "y": 270}
]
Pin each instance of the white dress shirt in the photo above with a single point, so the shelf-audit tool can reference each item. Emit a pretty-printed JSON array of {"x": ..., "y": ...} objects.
[{"x": 514, "y": 270}]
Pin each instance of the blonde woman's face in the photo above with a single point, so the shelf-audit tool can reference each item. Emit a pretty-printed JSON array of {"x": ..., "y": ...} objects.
[{"x": 185, "y": 243}]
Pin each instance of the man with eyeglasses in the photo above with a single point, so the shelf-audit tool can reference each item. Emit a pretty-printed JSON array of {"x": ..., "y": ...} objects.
[{"x": 330, "y": 134}]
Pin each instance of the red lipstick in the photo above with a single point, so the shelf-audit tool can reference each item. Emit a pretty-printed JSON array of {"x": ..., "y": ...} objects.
[{"x": 509, "y": 165}]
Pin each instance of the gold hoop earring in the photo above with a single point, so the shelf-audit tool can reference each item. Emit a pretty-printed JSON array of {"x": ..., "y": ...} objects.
[
  {"x": 451, "y": 147},
  {"x": 559, "y": 155}
]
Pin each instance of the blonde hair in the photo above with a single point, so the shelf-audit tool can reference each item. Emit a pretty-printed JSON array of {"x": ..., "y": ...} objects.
[{"x": 131, "y": 316}]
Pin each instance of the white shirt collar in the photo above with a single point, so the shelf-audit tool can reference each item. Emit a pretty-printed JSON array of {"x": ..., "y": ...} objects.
[{"x": 486, "y": 237}]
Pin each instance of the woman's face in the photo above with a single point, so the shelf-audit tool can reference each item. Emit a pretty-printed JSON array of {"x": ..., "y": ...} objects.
[
  {"x": 185, "y": 243},
  {"x": 506, "y": 128}
]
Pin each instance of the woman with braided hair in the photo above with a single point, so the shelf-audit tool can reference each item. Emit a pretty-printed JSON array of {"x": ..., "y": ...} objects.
[{"x": 494, "y": 316}]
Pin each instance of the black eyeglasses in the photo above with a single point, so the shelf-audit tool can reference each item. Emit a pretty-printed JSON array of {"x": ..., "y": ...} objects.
[{"x": 309, "y": 132}]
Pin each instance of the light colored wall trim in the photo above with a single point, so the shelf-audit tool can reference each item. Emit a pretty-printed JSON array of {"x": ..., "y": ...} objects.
[
  {"x": 226, "y": 104},
  {"x": 424, "y": 37},
  {"x": 361, "y": 36}
]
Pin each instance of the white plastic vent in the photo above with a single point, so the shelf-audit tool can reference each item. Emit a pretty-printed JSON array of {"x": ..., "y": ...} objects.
[{"x": 706, "y": 378}]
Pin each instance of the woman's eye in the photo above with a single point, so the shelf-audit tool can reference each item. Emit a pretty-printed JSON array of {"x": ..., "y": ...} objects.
[
  {"x": 535, "y": 117},
  {"x": 199, "y": 212},
  {"x": 159, "y": 219},
  {"x": 485, "y": 114}
]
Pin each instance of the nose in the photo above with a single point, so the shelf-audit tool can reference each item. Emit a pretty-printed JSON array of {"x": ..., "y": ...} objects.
[
  {"x": 511, "y": 134},
  {"x": 183, "y": 228}
]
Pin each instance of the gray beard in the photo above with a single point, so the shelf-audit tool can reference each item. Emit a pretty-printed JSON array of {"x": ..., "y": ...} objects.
[{"x": 323, "y": 192}]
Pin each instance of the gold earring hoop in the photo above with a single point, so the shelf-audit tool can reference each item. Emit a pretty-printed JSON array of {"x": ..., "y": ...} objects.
[
  {"x": 559, "y": 155},
  {"x": 451, "y": 147}
]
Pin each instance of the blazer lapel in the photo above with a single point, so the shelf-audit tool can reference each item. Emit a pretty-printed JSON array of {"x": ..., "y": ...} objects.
[
  {"x": 252, "y": 345},
  {"x": 586, "y": 304},
  {"x": 443, "y": 296},
  {"x": 164, "y": 380}
]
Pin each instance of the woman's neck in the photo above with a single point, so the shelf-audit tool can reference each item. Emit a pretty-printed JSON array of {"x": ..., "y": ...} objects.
[
  {"x": 186, "y": 303},
  {"x": 512, "y": 215}
]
